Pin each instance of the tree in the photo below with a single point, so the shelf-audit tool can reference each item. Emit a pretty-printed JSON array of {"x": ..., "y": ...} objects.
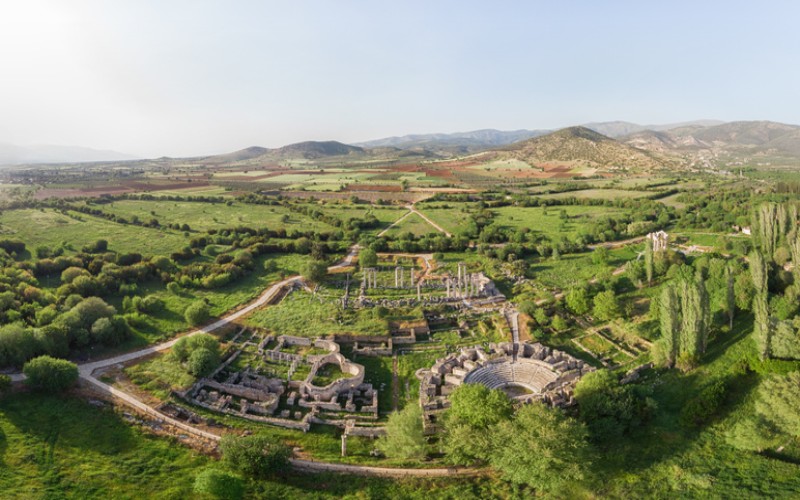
[
  {"x": 219, "y": 484},
  {"x": 608, "y": 408},
  {"x": 778, "y": 402},
  {"x": 315, "y": 271},
  {"x": 185, "y": 346},
  {"x": 50, "y": 374},
  {"x": 474, "y": 408},
  {"x": 202, "y": 361},
  {"x": 255, "y": 456},
  {"x": 69, "y": 274},
  {"x": 648, "y": 260},
  {"x": 197, "y": 313},
  {"x": 600, "y": 256},
  {"x": 669, "y": 317},
  {"x": 367, "y": 258},
  {"x": 577, "y": 300},
  {"x": 730, "y": 295},
  {"x": 17, "y": 345},
  {"x": 404, "y": 437},
  {"x": 606, "y": 306},
  {"x": 762, "y": 330},
  {"x": 541, "y": 448},
  {"x": 695, "y": 317}
]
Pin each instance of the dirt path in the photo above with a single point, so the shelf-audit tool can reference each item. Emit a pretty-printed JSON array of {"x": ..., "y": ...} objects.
[
  {"x": 395, "y": 223},
  {"x": 425, "y": 217},
  {"x": 363, "y": 470}
]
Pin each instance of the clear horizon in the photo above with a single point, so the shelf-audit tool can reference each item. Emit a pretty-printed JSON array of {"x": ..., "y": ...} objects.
[{"x": 194, "y": 78}]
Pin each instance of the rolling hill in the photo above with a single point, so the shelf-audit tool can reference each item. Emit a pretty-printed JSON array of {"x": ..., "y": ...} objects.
[
  {"x": 581, "y": 146},
  {"x": 734, "y": 143}
]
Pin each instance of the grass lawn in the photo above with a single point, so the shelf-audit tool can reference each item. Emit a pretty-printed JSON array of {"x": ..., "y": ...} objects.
[
  {"x": 62, "y": 447},
  {"x": 547, "y": 220},
  {"x": 412, "y": 224},
  {"x": 304, "y": 315},
  {"x": 574, "y": 268},
  {"x": 48, "y": 227},
  {"x": 451, "y": 216}
]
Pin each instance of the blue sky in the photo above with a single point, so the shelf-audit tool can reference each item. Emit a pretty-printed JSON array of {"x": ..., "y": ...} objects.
[{"x": 176, "y": 78}]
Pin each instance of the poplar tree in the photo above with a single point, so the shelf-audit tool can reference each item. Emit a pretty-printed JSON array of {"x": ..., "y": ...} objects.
[
  {"x": 648, "y": 260},
  {"x": 730, "y": 295},
  {"x": 761, "y": 328},
  {"x": 794, "y": 249},
  {"x": 669, "y": 316}
]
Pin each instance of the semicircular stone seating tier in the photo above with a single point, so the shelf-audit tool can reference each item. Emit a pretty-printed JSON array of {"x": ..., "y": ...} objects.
[
  {"x": 534, "y": 375},
  {"x": 547, "y": 375}
]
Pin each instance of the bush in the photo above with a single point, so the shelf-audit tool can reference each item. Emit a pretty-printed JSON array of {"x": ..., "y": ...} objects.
[
  {"x": 185, "y": 346},
  {"x": 219, "y": 484},
  {"x": 197, "y": 313},
  {"x": 404, "y": 436},
  {"x": 702, "y": 407},
  {"x": 5, "y": 382},
  {"x": 315, "y": 271},
  {"x": 50, "y": 374},
  {"x": 202, "y": 361},
  {"x": 256, "y": 456}
]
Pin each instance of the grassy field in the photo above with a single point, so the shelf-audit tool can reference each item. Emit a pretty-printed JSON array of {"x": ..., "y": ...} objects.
[
  {"x": 598, "y": 194},
  {"x": 386, "y": 215},
  {"x": 204, "y": 216},
  {"x": 412, "y": 224},
  {"x": 548, "y": 221},
  {"x": 304, "y": 315},
  {"x": 66, "y": 448},
  {"x": 453, "y": 218},
  {"x": 48, "y": 227},
  {"x": 575, "y": 268}
]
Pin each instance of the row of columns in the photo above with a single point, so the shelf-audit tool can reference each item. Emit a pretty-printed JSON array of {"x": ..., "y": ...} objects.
[
  {"x": 370, "y": 278},
  {"x": 465, "y": 285}
]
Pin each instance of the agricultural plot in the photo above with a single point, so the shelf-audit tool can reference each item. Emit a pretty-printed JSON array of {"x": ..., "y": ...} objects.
[
  {"x": 74, "y": 230},
  {"x": 575, "y": 268},
  {"x": 386, "y": 215},
  {"x": 451, "y": 216},
  {"x": 549, "y": 220},
  {"x": 413, "y": 224},
  {"x": 205, "y": 216},
  {"x": 164, "y": 324},
  {"x": 599, "y": 194}
]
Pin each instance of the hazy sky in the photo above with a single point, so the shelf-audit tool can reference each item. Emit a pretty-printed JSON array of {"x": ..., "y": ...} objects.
[{"x": 156, "y": 78}]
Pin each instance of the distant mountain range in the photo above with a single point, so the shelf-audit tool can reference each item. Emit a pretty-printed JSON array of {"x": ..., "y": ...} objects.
[
  {"x": 614, "y": 145},
  {"x": 459, "y": 142},
  {"x": 477, "y": 140},
  {"x": 18, "y": 155}
]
